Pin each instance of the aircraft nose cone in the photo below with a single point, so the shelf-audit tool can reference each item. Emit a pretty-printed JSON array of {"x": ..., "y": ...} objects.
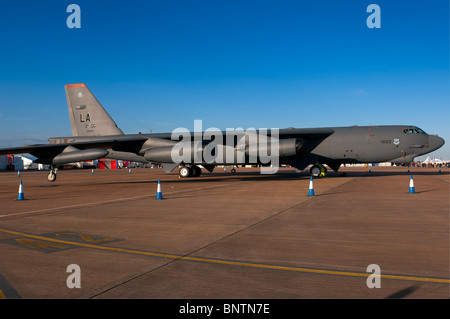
[{"x": 435, "y": 142}]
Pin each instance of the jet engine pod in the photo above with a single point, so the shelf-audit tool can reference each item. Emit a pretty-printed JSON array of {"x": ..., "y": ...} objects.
[
  {"x": 79, "y": 156},
  {"x": 286, "y": 147},
  {"x": 180, "y": 153},
  {"x": 292, "y": 146},
  {"x": 159, "y": 155}
]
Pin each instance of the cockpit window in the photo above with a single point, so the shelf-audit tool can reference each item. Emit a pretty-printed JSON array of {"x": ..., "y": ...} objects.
[
  {"x": 414, "y": 131},
  {"x": 419, "y": 130}
]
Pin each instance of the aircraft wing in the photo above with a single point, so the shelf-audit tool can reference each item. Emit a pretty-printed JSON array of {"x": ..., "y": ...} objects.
[
  {"x": 305, "y": 133},
  {"x": 76, "y": 151},
  {"x": 29, "y": 149}
]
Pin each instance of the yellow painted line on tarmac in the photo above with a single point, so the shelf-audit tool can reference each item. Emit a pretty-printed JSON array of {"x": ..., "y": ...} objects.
[
  {"x": 316, "y": 271},
  {"x": 227, "y": 262}
]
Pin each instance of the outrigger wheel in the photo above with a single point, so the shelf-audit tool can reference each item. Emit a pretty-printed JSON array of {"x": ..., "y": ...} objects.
[{"x": 52, "y": 174}]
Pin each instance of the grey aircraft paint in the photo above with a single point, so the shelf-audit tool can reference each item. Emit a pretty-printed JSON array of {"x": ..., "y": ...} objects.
[
  {"x": 87, "y": 115},
  {"x": 96, "y": 135}
]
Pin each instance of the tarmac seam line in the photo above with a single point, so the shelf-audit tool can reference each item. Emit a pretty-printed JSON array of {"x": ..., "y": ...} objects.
[
  {"x": 117, "y": 200},
  {"x": 186, "y": 256}
]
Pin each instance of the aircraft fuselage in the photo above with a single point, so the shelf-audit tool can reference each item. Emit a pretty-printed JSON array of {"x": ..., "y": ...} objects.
[
  {"x": 332, "y": 146},
  {"x": 373, "y": 144}
]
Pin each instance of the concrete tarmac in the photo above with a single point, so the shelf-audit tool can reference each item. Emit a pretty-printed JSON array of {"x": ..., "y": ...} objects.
[{"x": 224, "y": 235}]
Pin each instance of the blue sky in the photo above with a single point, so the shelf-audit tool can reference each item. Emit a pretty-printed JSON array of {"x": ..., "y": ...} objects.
[{"x": 159, "y": 65}]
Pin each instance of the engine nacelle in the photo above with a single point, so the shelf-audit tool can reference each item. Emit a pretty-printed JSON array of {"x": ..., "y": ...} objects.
[
  {"x": 159, "y": 155},
  {"x": 286, "y": 147}
]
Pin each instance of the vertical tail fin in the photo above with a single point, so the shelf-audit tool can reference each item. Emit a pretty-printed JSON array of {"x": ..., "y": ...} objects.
[{"x": 87, "y": 115}]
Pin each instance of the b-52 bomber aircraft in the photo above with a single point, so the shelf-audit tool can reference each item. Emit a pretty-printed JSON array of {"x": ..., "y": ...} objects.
[{"x": 95, "y": 135}]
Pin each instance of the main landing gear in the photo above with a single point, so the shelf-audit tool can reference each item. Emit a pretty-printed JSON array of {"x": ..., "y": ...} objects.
[
  {"x": 318, "y": 170},
  {"x": 190, "y": 171}
]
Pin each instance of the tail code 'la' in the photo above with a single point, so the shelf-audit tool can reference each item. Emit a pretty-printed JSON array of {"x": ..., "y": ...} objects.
[{"x": 87, "y": 115}]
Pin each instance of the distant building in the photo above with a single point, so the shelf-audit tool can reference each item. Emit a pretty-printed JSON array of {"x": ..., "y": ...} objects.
[{"x": 11, "y": 162}]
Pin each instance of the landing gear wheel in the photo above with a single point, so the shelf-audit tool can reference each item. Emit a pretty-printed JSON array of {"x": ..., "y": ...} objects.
[
  {"x": 185, "y": 171},
  {"x": 52, "y": 175},
  {"x": 318, "y": 170},
  {"x": 315, "y": 171},
  {"x": 196, "y": 171}
]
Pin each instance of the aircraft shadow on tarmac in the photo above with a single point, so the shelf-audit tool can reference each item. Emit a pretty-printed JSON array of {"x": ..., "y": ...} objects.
[
  {"x": 403, "y": 293},
  {"x": 243, "y": 176},
  {"x": 223, "y": 177},
  {"x": 412, "y": 172}
]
